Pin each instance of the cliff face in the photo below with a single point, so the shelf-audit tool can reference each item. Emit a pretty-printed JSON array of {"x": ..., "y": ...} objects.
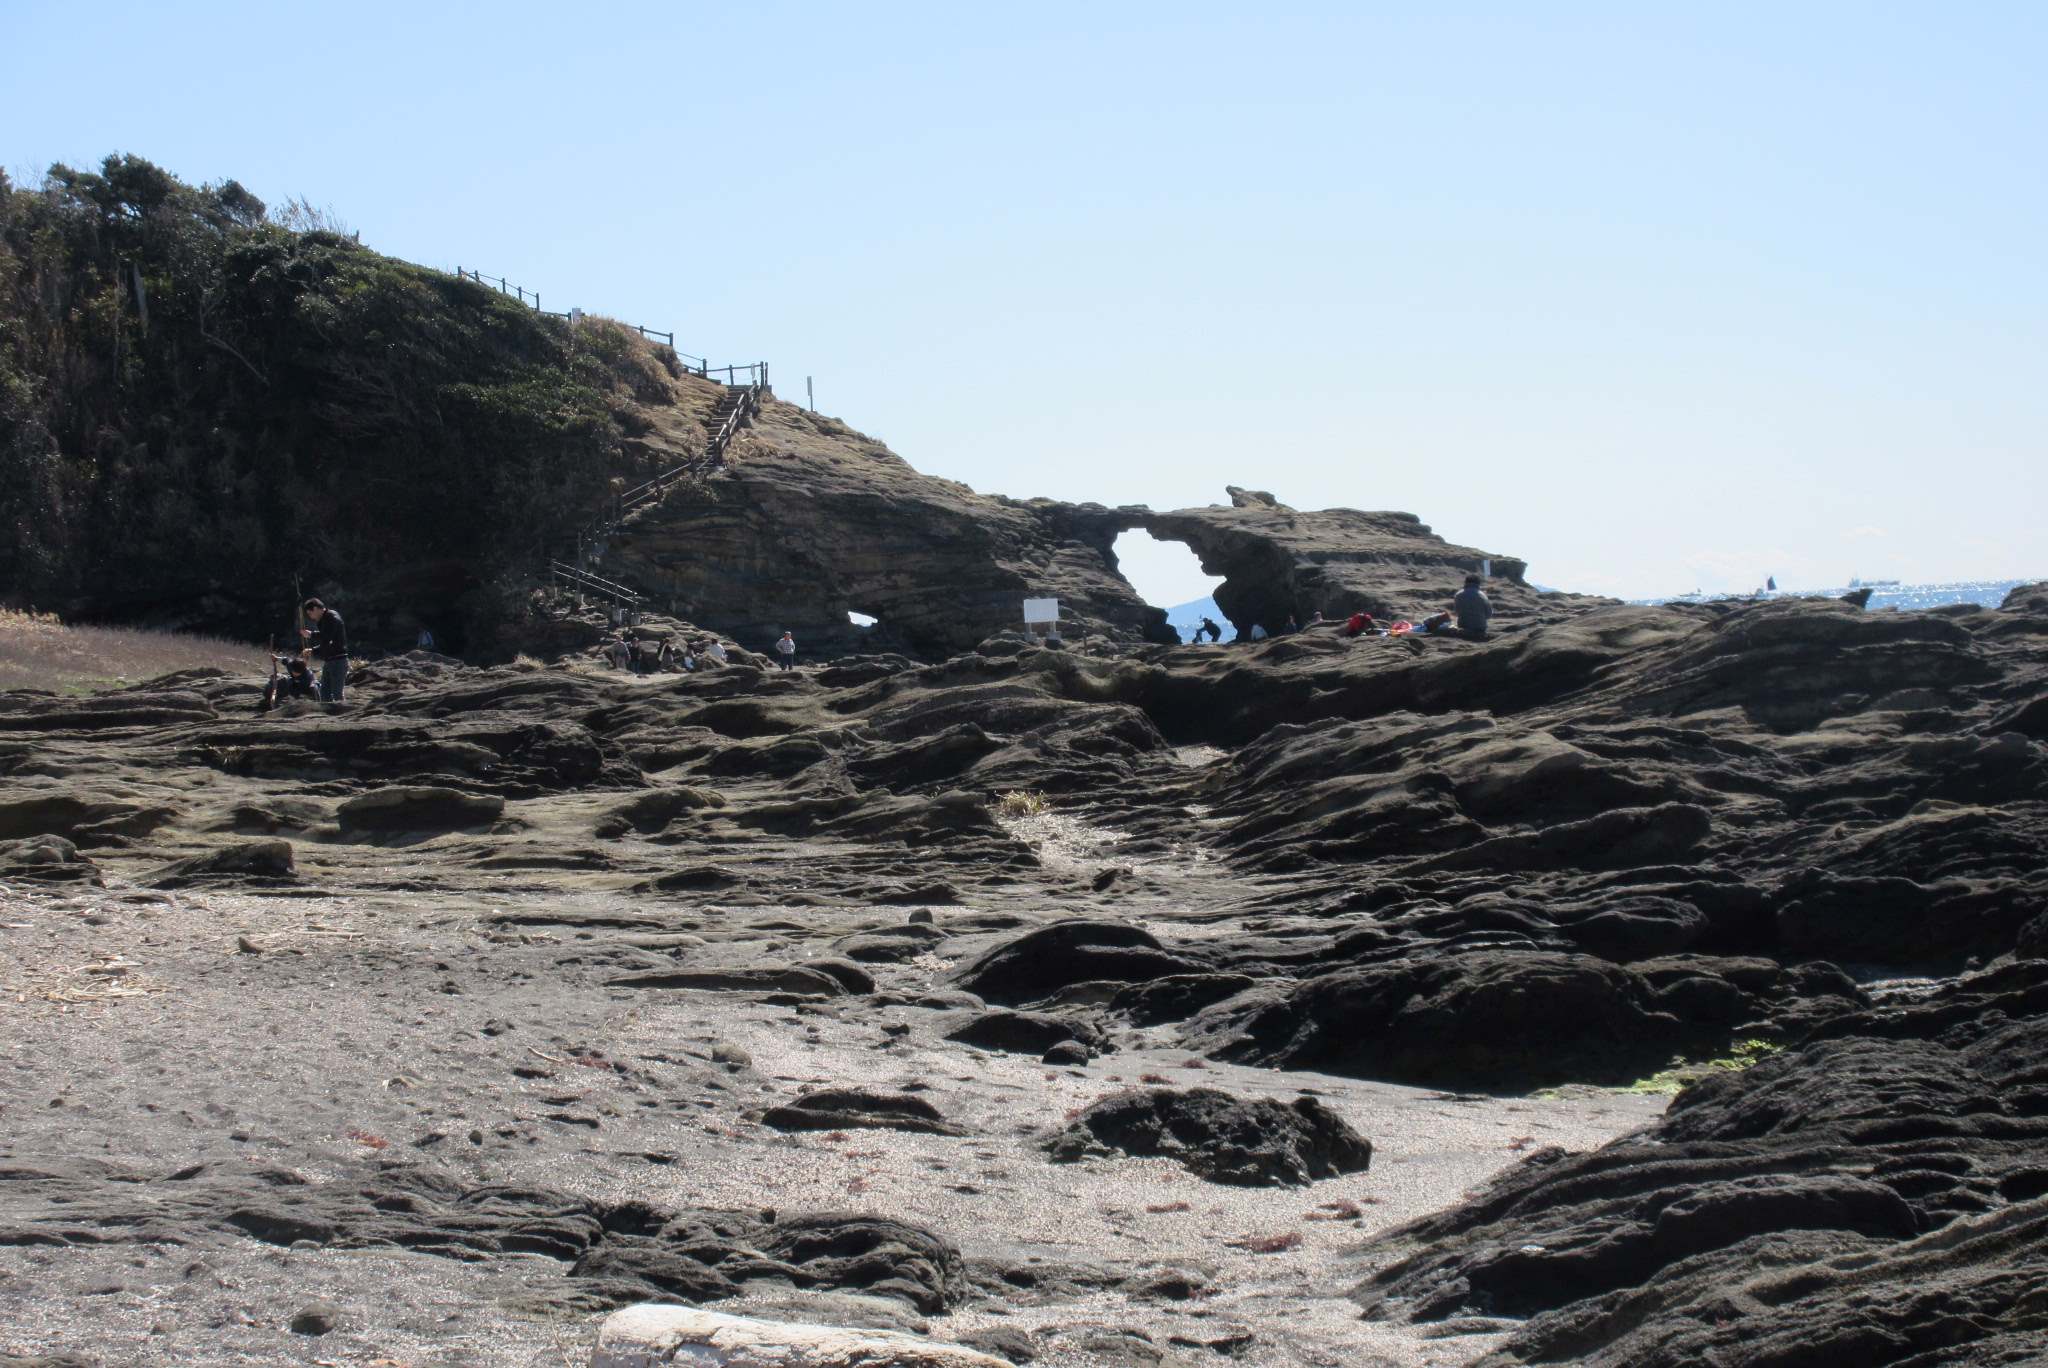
[
  {"x": 810, "y": 520},
  {"x": 201, "y": 407},
  {"x": 205, "y": 413}
]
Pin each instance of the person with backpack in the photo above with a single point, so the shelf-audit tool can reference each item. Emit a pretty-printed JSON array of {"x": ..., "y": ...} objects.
[
  {"x": 327, "y": 640},
  {"x": 785, "y": 651}
]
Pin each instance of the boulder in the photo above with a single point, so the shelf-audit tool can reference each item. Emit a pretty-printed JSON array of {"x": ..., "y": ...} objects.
[
  {"x": 649, "y": 814},
  {"x": 1040, "y": 962},
  {"x": 84, "y": 820},
  {"x": 1027, "y": 1032},
  {"x": 248, "y": 862},
  {"x": 871, "y": 1254},
  {"x": 890, "y": 944},
  {"x": 652, "y": 1335},
  {"x": 409, "y": 807},
  {"x": 46, "y": 859},
  {"x": 858, "y": 1108},
  {"x": 1224, "y": 1139},
  {"x": 1177, "y": 996},
  {"x": 1507, "y": 1018},
  {"x": 767, "y": 978}
]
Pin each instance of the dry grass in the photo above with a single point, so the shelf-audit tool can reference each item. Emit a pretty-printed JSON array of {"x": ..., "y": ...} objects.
[
  {"x": 38, "y": 651},
  {"x": 1022, "y": 803}
]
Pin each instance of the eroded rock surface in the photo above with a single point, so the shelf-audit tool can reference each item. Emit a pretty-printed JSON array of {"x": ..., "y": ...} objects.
[{"x": 541, "y": 991}]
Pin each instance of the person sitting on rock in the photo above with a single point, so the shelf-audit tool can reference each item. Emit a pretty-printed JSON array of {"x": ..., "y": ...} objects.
[
  {"x": 785, "y": 651},
  {"x": 689, "y": 659},
  {"x": 1258, "y": 631},
  {"x": 1292, "y": 624},
  {"x": 666, "y": 659},
  {"x": 716, "y": 650},
  {"x": 1473, "y": 609},
  {"x": 293, "y": 680},
  {"x": 650, "y": 652},
  {"x": 1360, "y": 624}
]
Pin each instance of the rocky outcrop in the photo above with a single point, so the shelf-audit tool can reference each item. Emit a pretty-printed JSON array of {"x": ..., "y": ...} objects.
[
  {"x": 1864, "y": 1198},
  {"x": 1257, "y": 1143},
  {"x": 616, "y": 1253},
  {"x": 810, "y": 520}
]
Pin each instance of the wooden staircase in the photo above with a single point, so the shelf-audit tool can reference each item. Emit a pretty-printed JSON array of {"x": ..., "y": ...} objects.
[{"x": 735, "y": 410}]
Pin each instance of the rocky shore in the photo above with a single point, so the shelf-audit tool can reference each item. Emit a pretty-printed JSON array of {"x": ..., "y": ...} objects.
[{"x": 1270, "y": 1004}]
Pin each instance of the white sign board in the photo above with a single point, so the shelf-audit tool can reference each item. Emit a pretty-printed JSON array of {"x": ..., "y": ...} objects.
[{"x": 1041, "y": 610}]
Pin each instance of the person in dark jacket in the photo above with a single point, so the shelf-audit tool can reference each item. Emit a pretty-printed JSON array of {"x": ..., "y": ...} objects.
[
  {"x": 327, "y": 639},
  {"x": 292, "y": 680},
  {"x": 1473, "y": 609}
]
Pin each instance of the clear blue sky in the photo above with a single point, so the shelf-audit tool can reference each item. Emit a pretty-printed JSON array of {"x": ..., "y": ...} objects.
[{"x": 1653, "y": 296}]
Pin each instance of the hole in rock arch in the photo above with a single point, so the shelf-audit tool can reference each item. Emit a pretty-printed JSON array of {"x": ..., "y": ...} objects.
[
  {"x": 1168, "y": 575},
  {"x": 861, "y": 619}
]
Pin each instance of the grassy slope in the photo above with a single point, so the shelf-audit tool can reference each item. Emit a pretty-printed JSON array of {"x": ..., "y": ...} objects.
[{"x": 37, "y": 651}]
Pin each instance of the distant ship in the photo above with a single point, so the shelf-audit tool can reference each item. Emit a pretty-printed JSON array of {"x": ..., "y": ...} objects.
[{"x": 1873, "y": 584}]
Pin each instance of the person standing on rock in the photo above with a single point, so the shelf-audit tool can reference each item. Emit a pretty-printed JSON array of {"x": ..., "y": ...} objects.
[
  {"x": 785, "y": 651},
  {"x": 327, "y": 639},
  {"x": 1473, "y": 609}
]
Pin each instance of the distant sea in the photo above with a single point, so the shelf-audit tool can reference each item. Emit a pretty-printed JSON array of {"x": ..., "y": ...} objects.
[
  {"x": 1188, "y": 616},
  {"x": 1989, "y": 593},
  {"x": 1986, "y": 593}
]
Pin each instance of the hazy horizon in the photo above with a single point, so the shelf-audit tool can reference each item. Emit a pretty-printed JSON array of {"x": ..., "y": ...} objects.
[{"x": 1655, "y": 301}]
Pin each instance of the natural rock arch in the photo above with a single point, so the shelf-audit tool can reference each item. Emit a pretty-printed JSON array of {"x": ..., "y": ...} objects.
[{"x": 810, "y": 521}]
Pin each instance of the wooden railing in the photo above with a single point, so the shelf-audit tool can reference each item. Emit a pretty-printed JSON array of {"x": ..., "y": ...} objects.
[
  {"x": 503, "y": 286},
  {"x": 746, "y": 383},
  {"x": 696, "y": 365},
  {"x": 577, "y": 578}
]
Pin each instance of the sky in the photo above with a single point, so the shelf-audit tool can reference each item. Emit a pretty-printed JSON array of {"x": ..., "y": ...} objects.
[{"x": 1654, "y": 297}]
